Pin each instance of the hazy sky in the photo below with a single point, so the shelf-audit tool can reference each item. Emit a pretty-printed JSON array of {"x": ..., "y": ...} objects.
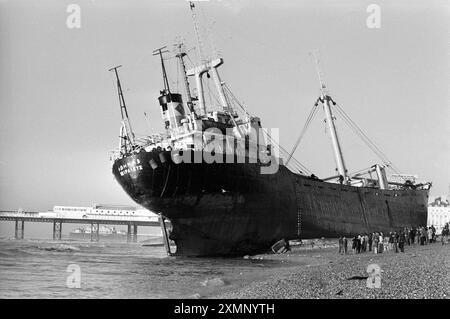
[{"x": 59, "y": 116}]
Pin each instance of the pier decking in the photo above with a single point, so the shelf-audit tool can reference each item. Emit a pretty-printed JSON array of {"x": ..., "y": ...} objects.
[{"x": 20, "y": 217}]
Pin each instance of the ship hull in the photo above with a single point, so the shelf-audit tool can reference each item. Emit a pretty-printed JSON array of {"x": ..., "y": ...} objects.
[{"x": 231, "y": 209}]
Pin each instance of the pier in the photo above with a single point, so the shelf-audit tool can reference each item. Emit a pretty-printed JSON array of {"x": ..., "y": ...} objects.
[{"x": 132, "y": 223}]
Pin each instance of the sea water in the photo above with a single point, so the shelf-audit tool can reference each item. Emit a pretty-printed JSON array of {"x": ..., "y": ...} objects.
[{"x": 81, "y": 269}]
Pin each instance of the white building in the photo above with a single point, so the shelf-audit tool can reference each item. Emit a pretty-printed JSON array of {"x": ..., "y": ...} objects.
[{"x": 438, "y": 213}]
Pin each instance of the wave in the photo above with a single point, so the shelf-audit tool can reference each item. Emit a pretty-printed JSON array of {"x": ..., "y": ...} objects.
[
  {"x": 15, "y": 252},
  {"x": 60, "y": 248}
]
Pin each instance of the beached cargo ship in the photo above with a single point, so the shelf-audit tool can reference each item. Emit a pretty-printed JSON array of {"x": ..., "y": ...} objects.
[{"x": 218, "y": 177}]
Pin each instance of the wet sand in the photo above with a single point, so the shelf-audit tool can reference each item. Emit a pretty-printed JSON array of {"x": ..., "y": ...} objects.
[{"x": 320, "y": 272}]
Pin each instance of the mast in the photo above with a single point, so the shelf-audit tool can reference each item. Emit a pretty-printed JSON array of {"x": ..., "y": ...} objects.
[
  {"x": 198, "y": 71},
  {"x": 159, "y": 52},
  {"x": 206, "y": 65},
  {"x": 180, "y": 55},
  {"x": 123, "y": 110},
  {"x": 326, "y": 99},
  {"x": 197, "y": 33},
  {"x": 219, "y": 84}
]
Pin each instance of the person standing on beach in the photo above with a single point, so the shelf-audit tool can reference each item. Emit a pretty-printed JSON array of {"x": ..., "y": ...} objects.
[
  {"x": 358, "y": 244},
  {"x": 429, "y": 235},
  {"x": 401, "y": 241},
  {"x": 376, "y": 240},
  {"x": 361, "y": 243},
  {"x": 412, "y": 234},
  {"x": 423, "y": 236},
  {"x": 445, "y": 233},
  {"x": 341, "y": 245},
  {"x": 380, "y": 243},
  {"x": 354, "y": 244},
  {"x": 345, "y": 242},
  {"x": 391, "y": 241},
  {"x": 366, "y": 239},
  {"x": 370, "y": 241},
  {"x": 395, "y": 241},
  {"x": 386, "y": 244},
  {"x": 417, "y": 233}
]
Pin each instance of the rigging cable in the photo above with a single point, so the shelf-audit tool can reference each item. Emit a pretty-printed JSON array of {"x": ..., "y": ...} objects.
[
  {"x": 363, "y": 136},
  {"x": 359, "y": 172},
  {"x": 359, "y": 132},
  {"x": 311, "y": 115},
  {"x": 296, "y": 163},
  {"x": 228, "y": 91}
]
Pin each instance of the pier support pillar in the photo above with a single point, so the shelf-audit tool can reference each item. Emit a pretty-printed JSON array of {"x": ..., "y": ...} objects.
[
  {"x": 128, "y": 233},
  {"x": 95, "y": 236},
  {"x": 57, "y": 230},
  {"x": 19, "y": 229},
  {"x": 164, "y": 235},
  {"x": 135, "y": 229}
]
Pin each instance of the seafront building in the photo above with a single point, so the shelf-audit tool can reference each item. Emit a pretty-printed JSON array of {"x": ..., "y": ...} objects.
[{"x": 438, "y": 213}]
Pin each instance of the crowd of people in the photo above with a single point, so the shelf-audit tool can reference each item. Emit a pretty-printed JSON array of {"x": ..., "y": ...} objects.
[{"x": 394, "y": 241}]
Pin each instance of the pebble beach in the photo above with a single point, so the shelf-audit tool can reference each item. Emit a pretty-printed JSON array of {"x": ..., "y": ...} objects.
[{"x": 322, "y": 273}]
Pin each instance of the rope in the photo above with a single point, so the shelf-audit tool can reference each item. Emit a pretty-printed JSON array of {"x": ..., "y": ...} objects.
[
  {"x": 359, "y": 132},
  {"x": 296, "y": 164},
  {"x": 360, "y": 171},
  {"x": 311, "y": 115},
  {"x": 233, "y": 97},
  {"x": 178, "y": 76},
  {"x": 211, "y": 94}
]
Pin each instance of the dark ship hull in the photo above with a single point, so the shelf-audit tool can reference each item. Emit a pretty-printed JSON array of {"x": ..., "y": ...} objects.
[{"x": 231, "y": 209}]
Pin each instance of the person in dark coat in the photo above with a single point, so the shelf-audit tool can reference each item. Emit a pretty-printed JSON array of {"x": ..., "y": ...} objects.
[
  {"x": 354, "y": 244},
  {"x": 395, "y": 239},
  {"x": 380, "y": 244},
  {"x": 345, "y": 243},
  {"x": 444, "y": 234},
  {"x": 412, "y": 234},
  {"x": 341, "y": 245},
  {"x": 358, "y": 244},
  {"x": 423, "y": 236},
  {"x": 433, "y": 234},
  {"x": 370, "y": 241},
  {"x": 401, "y": 241}
]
